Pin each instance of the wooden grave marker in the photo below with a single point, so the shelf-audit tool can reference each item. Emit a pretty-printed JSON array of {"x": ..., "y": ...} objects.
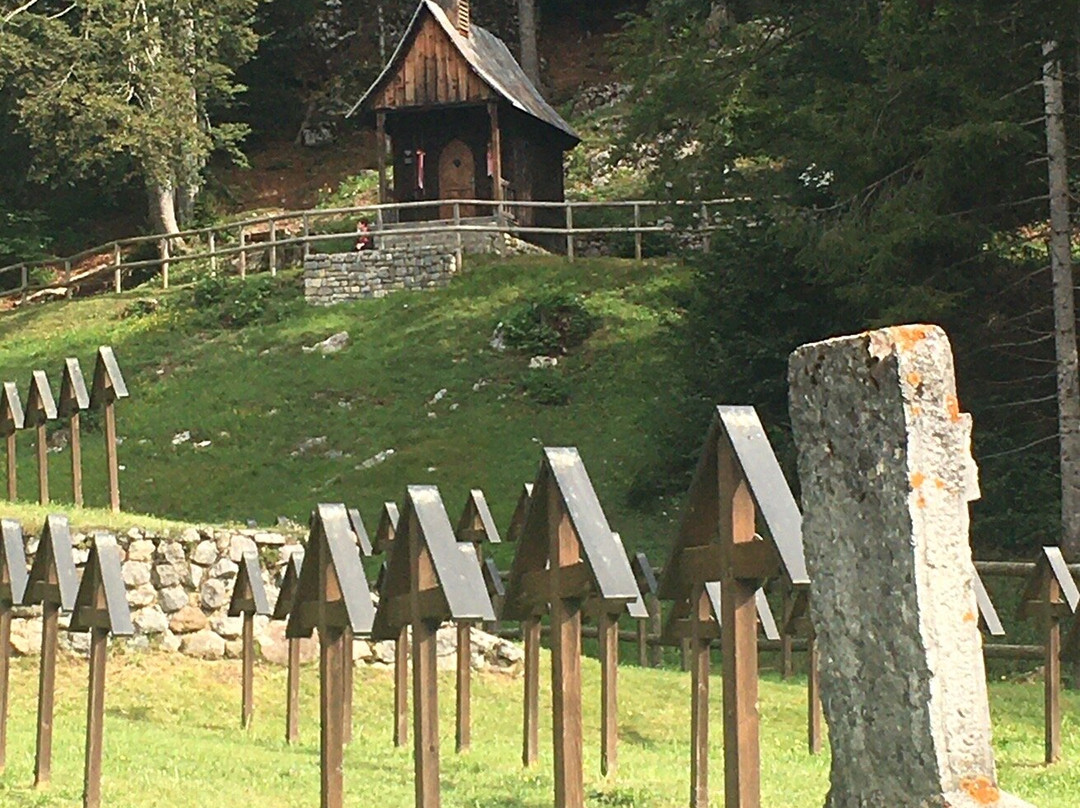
[
  {"x": 53, "y": 583},
  {"x": 363, "y": 544},
  {"x": 648, "y": 587},
  {"x": 607, "y": 622},
  {"x": 11, "y": 421},
  {"x": 385, "y": 534},
  {"x": 1050, "y": 595},
  {"x": 332, "y": 595},
  {"x": 282, "y": 609},
  {"x": 108, "y": 388},
  {"x": 567, "y": 555},
  {"x": 521, "y": 511},
  {"x": 797, "y": 623},
  {"x": 13, "y": 574},
  {"x": 474, "y": 529},
  {"x": 40, "y": 409},
  {"x": 737, "y": 478},
  {"x": 989, "y": 622},
  {"x": 74, "y": 398},
  {"x": 248, "y": 599},
  {"x": 101, "y": 608},
  {"x": 428, "y": 579},
  {"x": 495, "y": 588}
]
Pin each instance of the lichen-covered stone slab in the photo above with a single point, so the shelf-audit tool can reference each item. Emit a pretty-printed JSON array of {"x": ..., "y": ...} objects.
[{"x": 886, "y": 473}]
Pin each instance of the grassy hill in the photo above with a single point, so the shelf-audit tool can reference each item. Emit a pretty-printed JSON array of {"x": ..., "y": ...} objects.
[{"x": 264, "y": 404}]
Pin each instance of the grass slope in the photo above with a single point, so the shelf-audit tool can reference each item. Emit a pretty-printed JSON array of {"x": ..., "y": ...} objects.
[
  {"x": 172, "y": 739},
  {"x": 256, "y": 396}
]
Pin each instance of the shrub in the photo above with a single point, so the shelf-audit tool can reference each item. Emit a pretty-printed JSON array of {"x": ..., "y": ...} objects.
[
  {"x": 550, "y": 324},
  {"x": 546, "y": 386},
  {"x": 237, "y": 302}
]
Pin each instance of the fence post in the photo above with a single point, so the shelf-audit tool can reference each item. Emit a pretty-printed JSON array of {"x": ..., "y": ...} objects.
[
  {"x": 273, "y": 247},
  {"x": 637, "y": 231},
  {"x": 706, "y": 242},
  {"x": 118, "y": 278},
  {"x": 67, "y": 278},
  {"x": 165, "y": 263},
  {"x": 243, "y": 253},
  {"x": 459, "y": 253},
  {"x": 211, "y": 243},
  {"x": 307, "y": 235},
  {"x": 378, "y": 242},
  {"x": 24, "y": 277},
  {"x": 569, "y": 231}
]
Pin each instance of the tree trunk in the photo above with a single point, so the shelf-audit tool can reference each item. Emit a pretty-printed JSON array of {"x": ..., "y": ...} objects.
[
  {"x": 529, "y": 26},
  {"x": 162, "y": 208},
  {"x": 1068, "y": 366},
  {"x": 381, "y": 16}
]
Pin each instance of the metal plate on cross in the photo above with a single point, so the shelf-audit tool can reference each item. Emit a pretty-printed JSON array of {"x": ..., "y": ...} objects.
[
  {"x": 13, "y": 572},
  {"x": 73, "y": 393},
  {"x": 362, "y": 539},
  {"x": 101, "y": 601},
  {"x": 989, "y": 622},
  {"x": 40, "y": 406},
  {"x": 249, "y": 594},
  {"x": 521, "y": 512},
  {"x": 476, "y": 524},
  {"x": 387, "y": 530},
  {"x": 52, "y": 577},
  {"x": 109, "y": 384},
  {"x": 11, "y": 410}
]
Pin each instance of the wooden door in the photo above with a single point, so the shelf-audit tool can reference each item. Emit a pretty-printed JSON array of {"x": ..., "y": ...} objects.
[{"x": 457, "y": 178}]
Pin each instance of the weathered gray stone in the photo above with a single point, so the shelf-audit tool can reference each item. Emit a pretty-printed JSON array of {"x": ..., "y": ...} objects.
[
  {"x": 136, "y": 573},
  {"x": 223, "y": 569},
  {"x": 170, "y": 642},
  {"x": 886, "y": 474},
  {"x": 150, "y": 620},
  {"x": 166, "y": 575},
  {"x": 173, "y": 552},
  {"x": 228, "y": 627},
  {"x": 140, "y": 550},
  {"x": 187, "y": 620},
  {"x": 240, "y": 545},
  {"x": 205, "y": 553},
  {"x": 141, "y": 596},
  {"x": 212, "y": 594},
  {"x": 203, "y": 644},
  {"x": 172, "y": 599}
]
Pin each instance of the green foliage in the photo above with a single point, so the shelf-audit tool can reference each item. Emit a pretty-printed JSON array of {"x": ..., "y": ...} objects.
[
  {"x": 233, "y": 302},
  {"x": 546, "y": 386},
  {"x": 550, "y": 324},
  {"x": 355, "y": 187}
]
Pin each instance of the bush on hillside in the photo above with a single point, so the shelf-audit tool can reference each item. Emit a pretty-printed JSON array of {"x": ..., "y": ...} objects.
[
  {"x": 549, "y": 325},
  {"x": 546, "y": 386},
  {"x": 237, "y": 302}
]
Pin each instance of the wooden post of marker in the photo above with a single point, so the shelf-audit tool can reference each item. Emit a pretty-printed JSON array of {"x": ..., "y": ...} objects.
[
  {"x": 5, "y": 678},
  {"x": 786, "y": 638},
  {"x": 425, "y": 678},
  {"x": 292, "y": 703},
  {"x": 247, "y": 709},
  {"x": 76, "y": 459},
  {"x": 43, "y": 464},
  {"x": 463, "y": 734},
  {"x": 699, "y": 702},
  {"x": 46, "y": 693},
  {"x": 655, "y": 626},
  {"x": 1052, "y": 673},
  {"x": 566, "y": 664},
  {"x": 530, "y": 630},
  {"x": 813, "y": 696},
  {"x": 348, "y": 675},
  {"x": 330, "y": 714},
  {"x": 12, "y": 470},
  {"x": 95, "y": 718},
  {"x": 609, "y": 710},
  {"x": 111, "y": 458},
  {"x": 643, "y": 642},
  {"x": 401, "y": 688}
]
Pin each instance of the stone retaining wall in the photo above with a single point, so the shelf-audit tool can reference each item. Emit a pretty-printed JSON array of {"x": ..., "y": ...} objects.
[
  {"x": 330, "y": 279},
  {"x": 179, "y": 590}
]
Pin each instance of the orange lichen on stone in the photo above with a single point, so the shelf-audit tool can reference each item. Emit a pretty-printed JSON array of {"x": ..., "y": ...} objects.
[
  {"x": 907, "y": 337},
  {"x": 953, "y": 407},
  {"x": 939, "y": 483},
  {"x": 920, "y": 501},
  {"x": 914, "y": 379},
  {"x": 916, "y": 410},
  {"x": 981, "y": 789},
  {"x": 917, "y": 479},
  {"x": 969, "y": 617}
]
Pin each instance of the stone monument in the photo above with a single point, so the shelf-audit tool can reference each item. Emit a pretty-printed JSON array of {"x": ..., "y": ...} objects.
[{"x": 886, "y": 471}]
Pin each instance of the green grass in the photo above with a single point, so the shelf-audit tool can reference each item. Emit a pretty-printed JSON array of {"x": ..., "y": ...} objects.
[
  {"x": 172, "y": 739},
  {"x": 256, "y": 396}
]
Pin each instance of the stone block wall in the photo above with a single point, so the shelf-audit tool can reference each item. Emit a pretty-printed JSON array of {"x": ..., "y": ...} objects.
[
  {"x": 330, "y": 279},
  {"x": 179, "y": 588}
]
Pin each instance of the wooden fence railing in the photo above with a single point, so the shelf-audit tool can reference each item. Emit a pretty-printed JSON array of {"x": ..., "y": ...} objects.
[{"x": 270, "y": 238}]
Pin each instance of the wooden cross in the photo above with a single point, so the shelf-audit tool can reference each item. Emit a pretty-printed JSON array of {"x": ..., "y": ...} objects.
[
  {"x": 521, "y": 510},
  {"x": 11, "y": 421},
  {"x": 53, "y": 583},
  {"x": 797, "y": 623},
  {"x": 387, "y": 529},
  {"x": 384, "y": 540},
  {"x": 101, "y": 608},
  {"x": 737, "y": 478},
  {"x": 12, "y": 591},
  {"x": 428, "y": 579},
  {"x": 248, "y": 599},
  {"x": 282, "y": 609},
  {"x": 332, "y": 595},
  {"x": 109, "y": 387},
  {"x": 1050, "y": 595},
  {"x": 567, "y": 555},
  {"x": 40, "y": 409},
  {"x": 74, "y": 398},
  {"x": 474, "y": 528}
]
